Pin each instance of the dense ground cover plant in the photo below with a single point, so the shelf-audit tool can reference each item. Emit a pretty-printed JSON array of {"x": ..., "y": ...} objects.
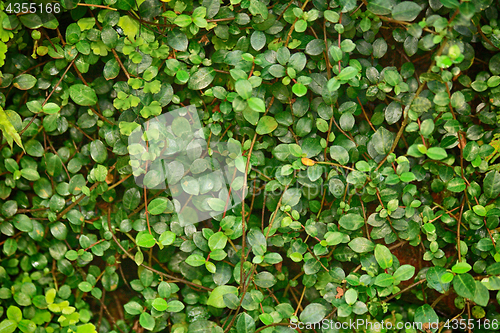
[{"x": 368, "y": 134}]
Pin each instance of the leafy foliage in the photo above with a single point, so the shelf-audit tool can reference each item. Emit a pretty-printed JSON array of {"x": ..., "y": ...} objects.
[{"x": 368, "y": 133}]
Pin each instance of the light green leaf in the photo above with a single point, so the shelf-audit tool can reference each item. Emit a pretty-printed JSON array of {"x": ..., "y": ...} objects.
[
  {"x": 145, "y": 239},
  {"x": 436, "y": 153},
  {"x": 216, "y": 296},
  {"x": 347, "y": 73},
  {"x": 217, "y": 241},
  {"x": 147, "y": 321},
  {"x": 8, "y": 326},
  {"x": 266, "y": 125},
  {"x": 383, "y": 256}
]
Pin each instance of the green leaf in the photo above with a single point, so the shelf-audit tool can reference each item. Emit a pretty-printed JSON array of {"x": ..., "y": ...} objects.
[
  {"x": 331, "y": 16},
  {"x": 339, "y": 154},
  {"x": 450, "y": 3},
  {"x": 313, "y": 313},
  {"x": 361, "y": 245},
  {"x": 421, "y": 105},
  {"x": 87, "y": 328},
  {"x": 85, "y": 286},
  {"x": 491, "y": 184},
  {"x": 258, "y": 8},
  {"x": 266, "y": 125},
  {"x": 167, "y": 238},
  {"x": 9, "y": 247},
  {"x": 392, "y": 77},
  {"x": 347, "y": 73},
  {"x": 482, "y": 294},
  {"x": 464, "y": 285},
  {"x": 384, "y": 280},
  {"x": 31, "y": 21},
  {"x": 300, "y": 26},
  {"x": 447, "y": 277},
  {"x": 177, "y": 40},
  {"x": 291, "y": 197},
  {"x": 145, "y": 239},
  {"x": 59, "y": 230},
  {"x": 34, "y": 148},
  {"x": 406, "y": 11},
  {"x": 217, "y": 241},
  {"x": 258, "y": 40},
  {"x": 183, "y": 20},
  {"x": 245, "y": 324},
  {"x": 404, "y": 272},
  {"x": 299, "y": 89},
  {"x": 30, "y": 174},
  {"x": 216, "y": 296},
  {"x": 24, "y": 82},
  {"x": 273, "y": 258},
  {"x": 351, "y": 296},
  {"x": 190, "y": 185},
  {"x": 479, "y": 210},
  {"x": 436, "y": 153},
  {"x": 456, "y": 185},
  {"x": 8, "y": 326},
  {"x": 379, "y": 48},
  {"x": 425, "y": 314},
  {"x": 159, "y": 206},
  {"x": 467, "y": 9},
  {"x": 212, "y": 7},
  {"x": 461, "y": 267},
  {"x": 351, "y": 221},
  {"x": 383, "y": 256},
  {"x": 159, "y": 304},
  {"x": 201, "y": 78},
  {"x": 243, "y": 88},
  {"x": 347, "y": 45},
  {"x": 195, "y": 260},
  {"x": 133, "y": 308},
  {"x": 493, "y": 269},
  {"x": 14, "y": 313},
  {"x": 23, "y": 223},
  {"x": 393, "y": 113},
  {"x": 8, "y": 130},
  {"x": 257, "y": 241},
  {"x": 217, "y": 204},
  {"x": 98, "y": 151},
  {"x": 336, "y": 53},
  {"x": 147, "y": 321},
  {"x": 175, "y": 306},
  {"x": 82, "y": 95},
  {"x": 256, "y": 104},
  {"x": 265, "y": 280},
  {"x": 298, "y": 61}
]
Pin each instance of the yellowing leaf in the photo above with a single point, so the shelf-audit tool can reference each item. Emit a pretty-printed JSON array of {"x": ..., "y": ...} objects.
[
  {"x": 130, "y": 27},
  {"x": 8, "y": 130},
  {"x": 307, "y": 161}
]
